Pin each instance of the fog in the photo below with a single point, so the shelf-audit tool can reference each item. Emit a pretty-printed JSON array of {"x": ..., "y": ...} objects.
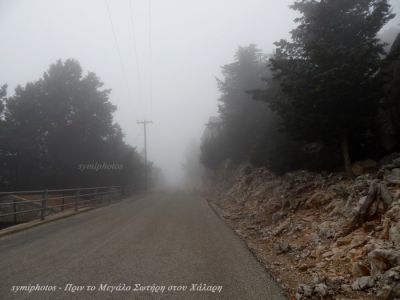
[{"x": 161, "y": 64}]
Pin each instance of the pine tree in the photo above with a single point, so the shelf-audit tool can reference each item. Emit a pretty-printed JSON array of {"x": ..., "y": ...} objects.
[{"x": 328, "y": 70}]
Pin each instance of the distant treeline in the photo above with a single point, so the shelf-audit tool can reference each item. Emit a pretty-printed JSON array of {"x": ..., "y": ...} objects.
[
  {"x": 58, "y": 132},
  {"x": 330, "y": 95}
]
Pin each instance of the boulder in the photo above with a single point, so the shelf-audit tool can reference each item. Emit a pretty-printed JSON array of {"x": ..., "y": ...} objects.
[
  {"x": 382, "y": 260},
  {"x": 321, "y": 290},
  {"x": 393, "y": 176},
  {"x": 396, "y": 172},
  {"x": 365, "y": 166},
  {"x": 359, "y": 270},
  {"x": 394, "y": 234},
  {"x": 320, "y": 199},
  {"x": 390, "y": 160},
  {"x": 363, "y": 283},
  {"x": 315, "y": 200},
  {"x": 394, "y": 213},
  {"x": 358, "y": 240},
  {"x": 304, "y": 290},
  {"x": 389, "y": 285},
  {"x": 326, "y": 230},
  {"x": 396, "y": 162}
]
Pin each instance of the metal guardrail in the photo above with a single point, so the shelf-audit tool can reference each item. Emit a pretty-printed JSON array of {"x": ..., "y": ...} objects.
[{"x": 56, "y": 200}]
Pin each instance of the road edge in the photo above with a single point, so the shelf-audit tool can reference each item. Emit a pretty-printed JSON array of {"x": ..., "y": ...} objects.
[{"x": 215, "y": 210}]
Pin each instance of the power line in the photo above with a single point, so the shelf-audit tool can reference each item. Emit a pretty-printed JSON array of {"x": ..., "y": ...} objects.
[
  {"x": 135, "y": 49},
  {"x": 118, "y": 48},
  {"x": 150, "y": 58}
]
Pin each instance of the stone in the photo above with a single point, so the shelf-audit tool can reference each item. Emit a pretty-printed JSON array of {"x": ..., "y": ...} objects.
[
  {"x": 386, "y": 197},
  {"x": 358, "y": 270},
  {"x": 389, "y": 159},
  {"x": 283, "y": 247},
  {"x": 305, "y": 290},
  {"x": 326, "y": 230},
  {"x": 363, "y": 283},
  {"x": 386, "y": 224},
  {"x": 305, "y": 253},
  {"x": 394, "y": 213},
  {"x": 393, "y": 177},
  {"x": 384, "y": 293},
  {"x": 321, "y": 289},
  {"x": 343, "y": 241},
  {"x": 319, "y": 278},
  {"x": 277, "y": 216},
  {"x": 365, "y": 166},
  {"x": 396, "y": 162},
  {"x": 392, "y": 275},
  {"x": 396, "y": 172},
  {"x": 370, "y": 226},
  {"x": 394, "y": 234},
  {"x": 395, "y": 291},
  {"x": 327, "y": 254},
  {"x": 382, "y": 260},
  {"x": 346, "y": 288},
  {"x": 368, "y": 248},
  {"x": 319, "y": 199},
  {"x": 357, "y": 241},
  {"x": 390, "y": 284},
  {"x": 315, "y": 238}
]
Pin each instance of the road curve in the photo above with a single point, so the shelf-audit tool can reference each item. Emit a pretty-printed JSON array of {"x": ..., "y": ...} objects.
[{"x": 132, "y": 250}]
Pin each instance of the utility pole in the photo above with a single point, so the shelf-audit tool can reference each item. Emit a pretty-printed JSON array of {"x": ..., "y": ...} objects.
[{"x": 144, "y": 123}]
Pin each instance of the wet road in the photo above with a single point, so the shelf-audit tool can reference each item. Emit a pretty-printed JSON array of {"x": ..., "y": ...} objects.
[{"x": 159, "y": 246}]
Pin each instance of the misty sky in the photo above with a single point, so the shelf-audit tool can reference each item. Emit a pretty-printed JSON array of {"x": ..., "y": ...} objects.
[{"x": 190, "y": 40}]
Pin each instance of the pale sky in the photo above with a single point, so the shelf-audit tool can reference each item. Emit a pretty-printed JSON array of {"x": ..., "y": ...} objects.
[{"x": 190, "y": 41}]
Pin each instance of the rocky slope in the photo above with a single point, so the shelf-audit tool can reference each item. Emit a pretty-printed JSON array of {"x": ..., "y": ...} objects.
[{"x": 320, "y": 235}]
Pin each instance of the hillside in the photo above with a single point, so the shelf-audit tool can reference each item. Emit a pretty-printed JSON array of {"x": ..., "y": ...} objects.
[{"x": 320, "y": 235}]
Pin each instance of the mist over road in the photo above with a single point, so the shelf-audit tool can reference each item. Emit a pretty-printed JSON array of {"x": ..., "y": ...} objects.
[{"x": 156, "y": 241}]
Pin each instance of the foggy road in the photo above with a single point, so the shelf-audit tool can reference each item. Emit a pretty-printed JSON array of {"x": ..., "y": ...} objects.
[{"x": 154, "y": 242}]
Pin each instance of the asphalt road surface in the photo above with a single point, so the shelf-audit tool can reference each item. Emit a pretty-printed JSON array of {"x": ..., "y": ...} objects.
[{"x": 159, "y": 246}]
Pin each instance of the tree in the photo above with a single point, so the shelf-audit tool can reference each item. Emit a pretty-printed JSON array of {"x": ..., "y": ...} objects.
[
  {"x": 56, "y": 124},
  {"x": 213, "y": 146},
  {"x": 328, "y": 71},
  {"x": 248, "y": 130},
  {"x": 390, "y": 73},
  {"x": 3, "y": 94},
  {"x": 242, "y": 119}
]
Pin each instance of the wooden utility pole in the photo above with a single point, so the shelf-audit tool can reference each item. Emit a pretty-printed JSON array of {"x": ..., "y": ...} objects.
[{"x": 144, "y": 123}]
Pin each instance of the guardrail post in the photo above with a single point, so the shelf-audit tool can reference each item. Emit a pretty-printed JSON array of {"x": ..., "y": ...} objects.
[
  {"x": 44, "y": 205},
  {"x": 15, "y": 211},
  {"x": 95, "y": 196},
  {"x": 63, "y": 201},
  {"x": 77, "y": 199}
]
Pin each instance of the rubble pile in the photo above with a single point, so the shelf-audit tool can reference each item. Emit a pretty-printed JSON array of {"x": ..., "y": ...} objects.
[{"x": 321, "y": 236}]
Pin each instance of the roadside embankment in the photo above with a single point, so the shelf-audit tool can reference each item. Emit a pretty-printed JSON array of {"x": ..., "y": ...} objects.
[{"x": 320, "y": 235}]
